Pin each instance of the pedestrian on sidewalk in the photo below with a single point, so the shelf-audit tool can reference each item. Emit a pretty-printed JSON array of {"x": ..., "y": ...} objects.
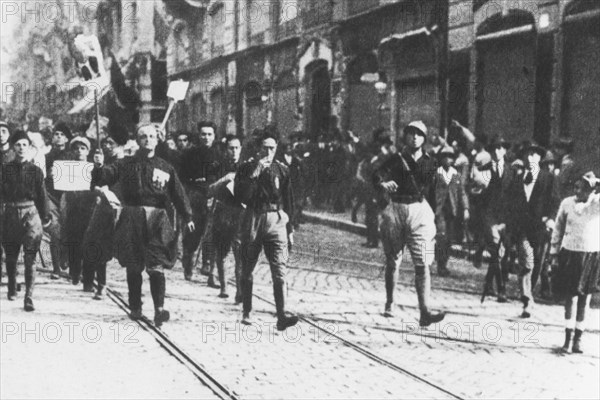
[
  {"x": 531, "y": 204},
  {"x": 452, "y": 207},
  {"x": 226, "y": 219},
  {"x": 144, "y": 238},
  {"x": 407, "y": 179},
  {"x": 25, "y": 201},
  {"x": 575, "y": 252},
  {"x": 264, "y": 186}
]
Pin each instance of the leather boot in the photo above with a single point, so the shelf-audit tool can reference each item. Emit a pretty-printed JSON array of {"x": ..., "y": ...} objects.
[
  {"x": 188, "y": 268},
  {"x": 158, "y": 286},
  {"x": 283, "y": 321},
  {"x": 134, "y": 284},
  {"x": 11, "y": 271},
  {"x": 247, "y": 295},
  {"x": 577, "y": 342},
  {"x": 568, "y": 333},
  {"x": 29, "y": 281},
  {"x": 390, "y": 286}
]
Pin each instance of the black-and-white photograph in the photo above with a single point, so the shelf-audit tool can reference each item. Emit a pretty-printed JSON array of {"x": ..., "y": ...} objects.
[{"x": 300, "y": 199}]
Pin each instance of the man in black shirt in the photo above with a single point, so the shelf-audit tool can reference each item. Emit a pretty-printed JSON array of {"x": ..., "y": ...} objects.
[
  {"x": 226, "y": 218},
  {"x": 408, "y": 181},
  {"x": 144, "y": 237},
  {"x": 200, "y": 167},
  {"x": 25, "y": 201},
  {"x": 264, "y": 186}
]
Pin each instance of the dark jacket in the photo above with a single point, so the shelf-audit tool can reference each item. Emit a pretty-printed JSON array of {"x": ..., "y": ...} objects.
[
  {"x": 526, "y": 217},
  {"x": 493, "y": 198}
]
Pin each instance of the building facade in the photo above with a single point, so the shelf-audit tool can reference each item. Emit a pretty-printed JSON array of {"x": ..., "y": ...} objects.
[{"x": 522, "y": 69}]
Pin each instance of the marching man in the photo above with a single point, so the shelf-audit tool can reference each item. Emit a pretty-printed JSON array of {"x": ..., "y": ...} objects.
[
  {"x": 144, "y": 238},
  {"x": 264, "y": 187},
  {"x": 25, "y": 200},
  {"x": 408, "y": 179}
]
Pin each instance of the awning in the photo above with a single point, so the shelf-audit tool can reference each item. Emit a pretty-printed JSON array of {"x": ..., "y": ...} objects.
[
  {"x": 401, "y": 36},
  {"x": 102, "y": 86}
]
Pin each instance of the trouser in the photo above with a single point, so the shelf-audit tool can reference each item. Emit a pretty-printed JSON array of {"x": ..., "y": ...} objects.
[
  {"x": 225, "y": 237},
  {"x": 265, "y": 230},
  {"x": 191, "y": 240},
  {"x": 527, "y": 253},
  {"x": 372, "y": 220},
  {"x": 445, "y": 227},
  {"x": 94, "y": 269},
  {"x": 74, "y": 255},
  {"x": 157, "y": 286},
  {"x": 493, "y": 238},
  {"x": 22, "y": 227},
  {"x": 53, "y": 231},
  {"x": 409, "y": 225}
]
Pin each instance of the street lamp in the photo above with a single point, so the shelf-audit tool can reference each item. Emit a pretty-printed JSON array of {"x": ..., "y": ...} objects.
[{"x": 381, "y": 88}]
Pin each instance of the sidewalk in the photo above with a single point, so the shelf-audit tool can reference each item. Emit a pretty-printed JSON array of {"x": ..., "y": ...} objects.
[{"x": 73, "y": 347}]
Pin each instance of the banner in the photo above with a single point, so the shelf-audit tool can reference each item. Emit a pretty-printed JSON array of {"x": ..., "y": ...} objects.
[{"x": 72, "y": 176}]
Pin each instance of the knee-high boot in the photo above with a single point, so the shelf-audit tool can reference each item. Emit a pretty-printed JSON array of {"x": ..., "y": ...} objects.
[
  {"x": 283, "y": 321},
  {"x": 134, "y": 284},
  {"x": 11, "y": 272},
  {"x": 30, "y": 271},
  {"x": 158, "y": 285}
]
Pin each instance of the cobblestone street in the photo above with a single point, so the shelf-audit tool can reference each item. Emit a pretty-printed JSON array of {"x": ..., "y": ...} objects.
[{"x": 343, "y": 347}]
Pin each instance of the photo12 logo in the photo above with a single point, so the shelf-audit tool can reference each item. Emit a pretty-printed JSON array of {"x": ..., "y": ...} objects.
[{"x": 69, "y": 332}]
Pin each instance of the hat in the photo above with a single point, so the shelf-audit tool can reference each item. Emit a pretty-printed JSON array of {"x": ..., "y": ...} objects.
[
  {"x": 497, "y": 142},
  {"x": 19, "y": 135},
  {"x": 590, "y": 178},
  {"x": 446, "y": 151},
  {"x": 62, "y": 127},
  {"x": 80, "y": 139},
  {"x": 4, "y": 124},
  {"x": 418, "y": 125},
  {"x": 533, "y": 147},
  {"x": 549, "y": 158}
]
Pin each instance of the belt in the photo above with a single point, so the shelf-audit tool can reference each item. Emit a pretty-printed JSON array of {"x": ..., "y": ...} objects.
[
  {"x": 20, "y": 204},
  {"x": 270, "y": 207},
  {"x": 407, "y": 199}
]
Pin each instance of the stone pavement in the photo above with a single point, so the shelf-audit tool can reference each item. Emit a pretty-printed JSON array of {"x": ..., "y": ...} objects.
[
  {"x": 73, "y": 347},
  {"x": 479, "y": 351}
]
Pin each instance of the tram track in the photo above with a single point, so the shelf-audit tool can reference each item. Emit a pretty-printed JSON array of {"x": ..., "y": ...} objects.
[
  {"x": 373, "y": 356},
  {"x": 218, "y": 388}
]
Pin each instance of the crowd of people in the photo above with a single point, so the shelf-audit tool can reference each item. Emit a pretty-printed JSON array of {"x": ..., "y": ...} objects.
[{"x": 153, "y": 199}]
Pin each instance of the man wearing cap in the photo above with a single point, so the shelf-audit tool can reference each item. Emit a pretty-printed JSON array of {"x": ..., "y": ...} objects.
[
  {"x": 408, "y": 179},
  {"x": 264, "y": 186},
  {"x": 25, "y": 202},
  {"x": 144, "y": 238},
  {"x": 200, "y": 167},
  {"x": 492, "y": 203},
  {"x": 452, "y": 206},
  {"x": 77, "y": 211},
  {"x": 531, "y": 206}
]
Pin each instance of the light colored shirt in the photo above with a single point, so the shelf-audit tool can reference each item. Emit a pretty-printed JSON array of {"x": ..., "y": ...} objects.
[{"x": 577, "y": 226}]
